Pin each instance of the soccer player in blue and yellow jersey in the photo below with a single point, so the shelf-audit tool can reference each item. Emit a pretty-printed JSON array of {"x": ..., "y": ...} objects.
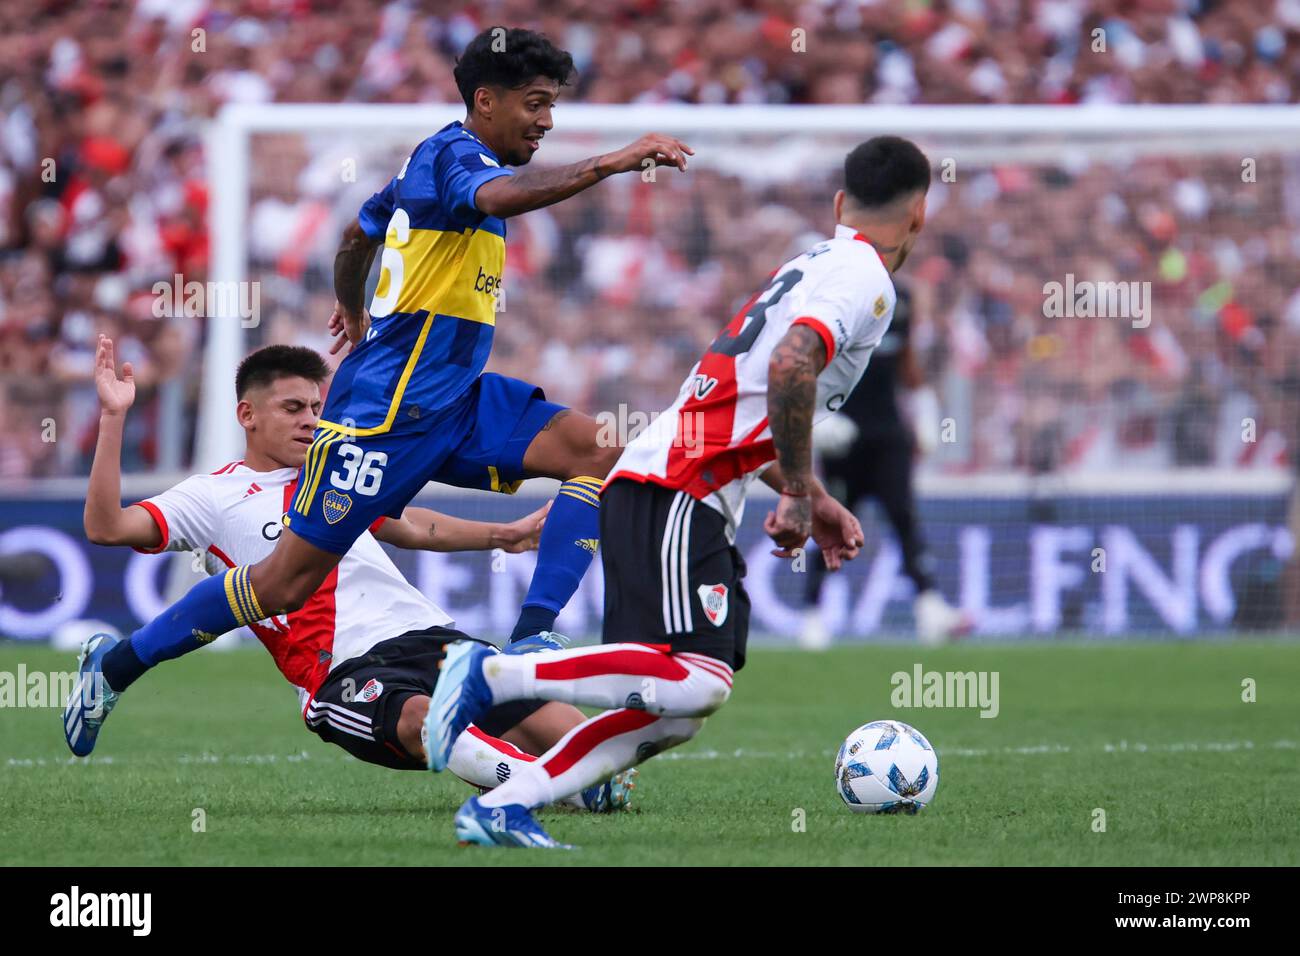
[{"x": 410, "y": 403}]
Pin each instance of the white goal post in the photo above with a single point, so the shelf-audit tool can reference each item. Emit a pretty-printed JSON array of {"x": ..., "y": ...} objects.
[{"x": 968, "y": 134}]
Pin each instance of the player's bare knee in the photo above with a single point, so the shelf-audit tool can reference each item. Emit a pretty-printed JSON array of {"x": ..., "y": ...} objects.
[
  {"x": 284, "y": 592},
  {"x": 602, "y": 459},
  {"x": 411, "y": 722}
]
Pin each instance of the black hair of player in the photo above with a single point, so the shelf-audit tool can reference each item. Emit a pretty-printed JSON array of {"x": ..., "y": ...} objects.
[
  {"x": 511, "y": 59},
  {"x": 883, "y": 169},
  {"x": 273, "y": 362}
]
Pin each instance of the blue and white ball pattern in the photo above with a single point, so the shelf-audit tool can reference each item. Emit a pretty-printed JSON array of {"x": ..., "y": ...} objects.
[{"x": 886, "y": 766}]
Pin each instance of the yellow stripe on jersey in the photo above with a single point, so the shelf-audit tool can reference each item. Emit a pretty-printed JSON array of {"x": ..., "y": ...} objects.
[
  {"x": 308, "y": 469},
  {"x": 320, "y": 469},
  {"x": 351, "y": 432},
  {"x": 496, "y": 484},
  {"x": 317, "y": 455},
  {"x": 433, "y": 260}
]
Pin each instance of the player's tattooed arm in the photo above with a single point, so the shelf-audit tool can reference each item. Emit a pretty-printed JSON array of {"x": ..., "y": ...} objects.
[
  {"x": 421, "y": 529},
  {"x": 352, "y": 266},
  {"x": 508, "y": 196},
  {"x": 791, "y": 398}
]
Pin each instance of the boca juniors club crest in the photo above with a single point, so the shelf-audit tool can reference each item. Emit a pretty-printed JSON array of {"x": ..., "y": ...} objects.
[
  {"x": 336, "y": 505},
  {"x": 714, "y": 599}
]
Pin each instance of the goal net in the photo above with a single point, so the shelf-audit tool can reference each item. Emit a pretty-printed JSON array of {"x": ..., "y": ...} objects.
[{"x": 1106, "y": 309}]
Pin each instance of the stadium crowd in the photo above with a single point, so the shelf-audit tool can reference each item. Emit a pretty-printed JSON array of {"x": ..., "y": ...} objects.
[{"x": 103, "y": 193}]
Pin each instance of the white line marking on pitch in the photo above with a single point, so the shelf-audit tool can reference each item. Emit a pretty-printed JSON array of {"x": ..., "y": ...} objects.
[{"x": 1123, "y": 747}]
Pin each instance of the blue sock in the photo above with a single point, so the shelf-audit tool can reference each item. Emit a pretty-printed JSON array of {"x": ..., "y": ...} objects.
[
  {"x": 568, "y": 544},
  {"x": 210, "y": 609}
]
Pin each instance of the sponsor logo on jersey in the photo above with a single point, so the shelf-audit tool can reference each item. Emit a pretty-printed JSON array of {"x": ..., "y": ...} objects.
[
  {"x": 489, "y": 161},
  {"x": 842, "y": 338},
  {"x": 588, "y": 544},
  {"x": 253, "y": 489},
  {"x": 701, "y": 385},
  {"x": 371, "y": 691},
  {"x": 488, "y": 284},
  {"x": 336, "y": 505},
  {"x": 714, "y": 599},
  {"x": 879, "y": 308}
]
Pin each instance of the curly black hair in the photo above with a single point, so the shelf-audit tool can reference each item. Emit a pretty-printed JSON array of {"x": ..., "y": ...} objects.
[
  {"x": 883, "y": 169},
  {"x": 509, "y": 58},
  {"x": 273, "y": 362}
]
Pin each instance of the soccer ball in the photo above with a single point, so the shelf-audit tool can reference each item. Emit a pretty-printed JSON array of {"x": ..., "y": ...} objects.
[{"x": 886, "y": 767}]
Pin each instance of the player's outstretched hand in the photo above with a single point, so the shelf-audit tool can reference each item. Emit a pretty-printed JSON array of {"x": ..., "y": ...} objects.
[
  {"x": 347, "y": 328},
  {"x": 524, "y": 534},
  {"x": 116, "y": 395},
  {"x": 664, "y": 150},
  {"x": 790, "y": 524},
  {"x": 837, "y": 531}
]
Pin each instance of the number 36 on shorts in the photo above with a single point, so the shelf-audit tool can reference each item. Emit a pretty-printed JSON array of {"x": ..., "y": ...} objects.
[{"x": 362, "y": 471}]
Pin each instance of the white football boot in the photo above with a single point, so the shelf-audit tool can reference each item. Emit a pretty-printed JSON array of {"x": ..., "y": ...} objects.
[
  {"x": 937, "y": 621},
  {"x": 814, "y": 635}
]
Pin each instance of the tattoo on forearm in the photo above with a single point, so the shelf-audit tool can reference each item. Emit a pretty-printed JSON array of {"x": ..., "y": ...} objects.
[
  {"x": 535, "y": 188},
  {"x": 352, "y": 266},
  {"x": 433, "y": 529},
  {"x": 791, "y": 397},
  {"x": 550, "y": 422}
]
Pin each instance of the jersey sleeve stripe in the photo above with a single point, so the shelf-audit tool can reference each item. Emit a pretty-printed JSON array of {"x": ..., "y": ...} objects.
[
  {"x": 161, "y": 521},
  {"x": 820, "y": 328}
]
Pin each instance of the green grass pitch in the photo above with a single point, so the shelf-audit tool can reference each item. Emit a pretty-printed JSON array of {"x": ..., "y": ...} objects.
[{"x": 1154, "y": 734}]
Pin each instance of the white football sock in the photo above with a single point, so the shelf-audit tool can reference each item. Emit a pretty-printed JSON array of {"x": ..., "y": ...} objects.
[
  {"x": 485, "y": 761},
  {"x": 590, "y": 753}
]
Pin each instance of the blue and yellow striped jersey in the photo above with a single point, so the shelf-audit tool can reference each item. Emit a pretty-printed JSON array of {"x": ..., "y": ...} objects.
[{"x": 434, "y": 310}]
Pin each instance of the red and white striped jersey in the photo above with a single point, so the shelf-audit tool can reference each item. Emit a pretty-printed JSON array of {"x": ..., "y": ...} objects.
[
  {"x": 232, "y": 517},
  {"x": 714, "y": 439}
]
